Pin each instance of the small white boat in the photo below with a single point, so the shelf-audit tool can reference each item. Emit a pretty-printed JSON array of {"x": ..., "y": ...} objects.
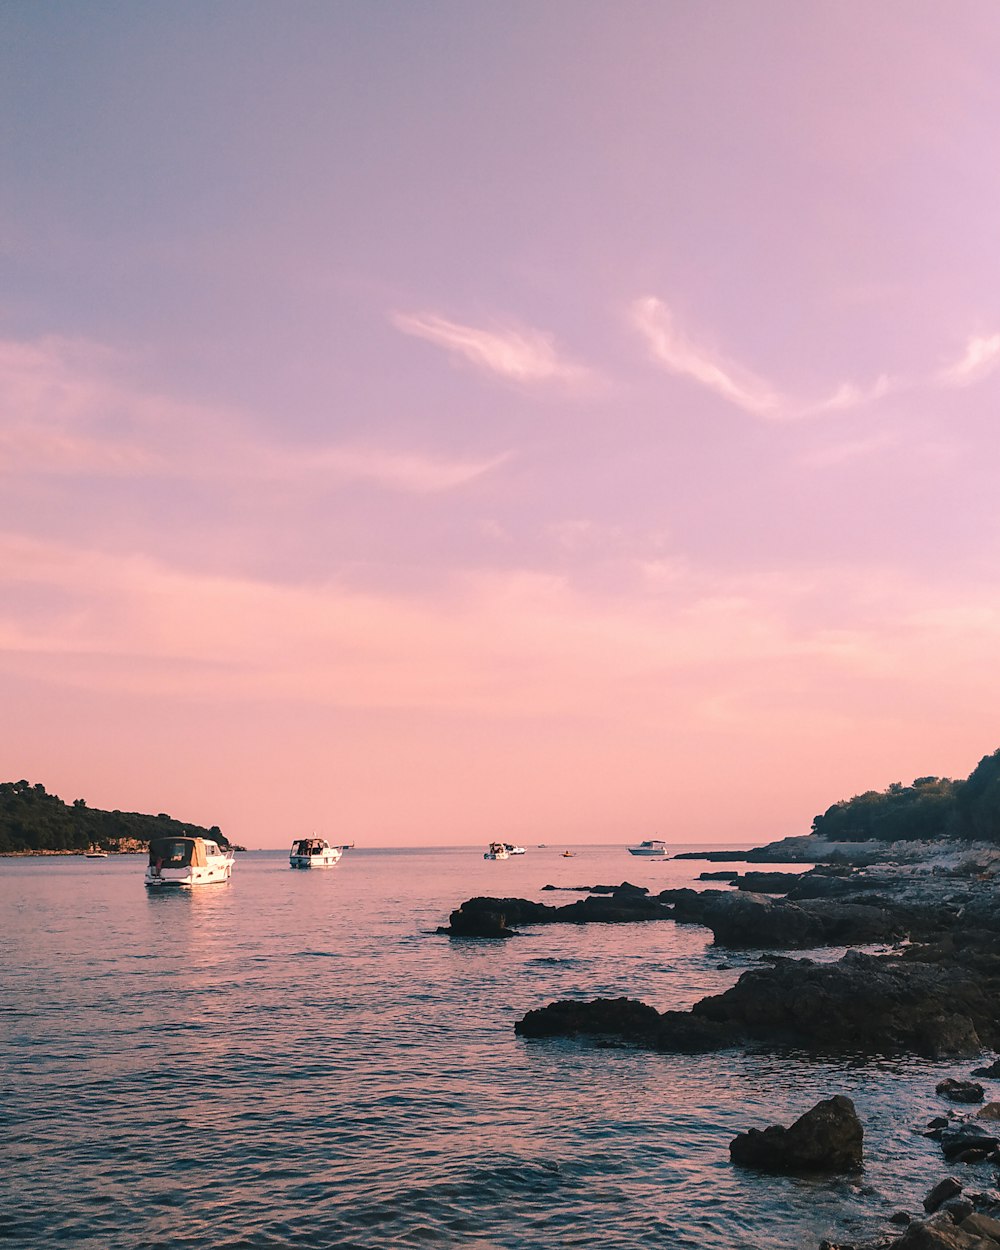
[
  {"x": 652, "y": 847},
  {"x": 513, "y": 850},
  {"x": 187, "y": 862},
  {"x": 497, "y": 850},
  {"x": 314, "y": 853},
  {"x": 95, "y": 853}
]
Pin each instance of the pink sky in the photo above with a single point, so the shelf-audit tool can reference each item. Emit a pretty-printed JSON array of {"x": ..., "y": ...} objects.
[{"x": 561, "y": 422}]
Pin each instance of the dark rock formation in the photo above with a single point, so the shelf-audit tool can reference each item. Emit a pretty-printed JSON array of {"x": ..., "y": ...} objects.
[
  {"x": 872, "y": 1004},
  {"x": 943, "y": 1235},
  {"x": 957, "y": 1209},
  {"x": 626, "y": 887},
  {"x": 479, "y": 922},
  {"x": 725, "y": 875},
  {"x": 766, "y": 882},
  {"x": 626, "y": 904},
  {"x": 950, "y": 1187},
  {"x": 624, "y": 1018},
  {"x": 980, "y": 1225},
  {"x": 828, "y": 1138},
  {"x": 753, "y": 921},
  {"x": 968, "y": 1143},
  {"x": 960, "y": 1091},
  {"x": 862, "y": 1004}
]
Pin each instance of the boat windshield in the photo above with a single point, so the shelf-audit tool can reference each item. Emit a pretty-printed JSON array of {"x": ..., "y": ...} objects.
[
  {"x": 171, "y": 852},
  {"x": 308, "y": 846}
]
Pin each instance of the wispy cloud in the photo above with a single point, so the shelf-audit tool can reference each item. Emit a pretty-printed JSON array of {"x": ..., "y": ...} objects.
[
  {"x": 682, "y": 355},
  {"x": 980, "y": 358},
  {"x": 520, "y": 355},
  {"x": 399, "y": 470},
  {"x": 849, "y": 395},
  {"x": 66, "y": 408}
]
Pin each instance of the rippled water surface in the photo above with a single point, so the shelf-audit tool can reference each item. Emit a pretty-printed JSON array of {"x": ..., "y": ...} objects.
[{"x": 296, "y": 1059}]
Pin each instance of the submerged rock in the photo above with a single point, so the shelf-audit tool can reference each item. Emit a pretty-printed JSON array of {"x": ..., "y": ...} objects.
[{"x": 827, "y": 1138}]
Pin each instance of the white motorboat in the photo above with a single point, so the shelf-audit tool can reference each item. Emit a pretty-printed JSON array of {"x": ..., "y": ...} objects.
[
  {"x": 187, "y": 862},
  {"x": 652, "y": 847},
  {"x": 497, "y": 850},
  {"x": 513, "y": 850},
  {"x": 95, "y": 853},
  {"x": 314, "y": 853}
]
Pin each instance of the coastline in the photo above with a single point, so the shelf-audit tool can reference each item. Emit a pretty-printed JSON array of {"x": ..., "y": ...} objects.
[{"x": 932, "y": 989}]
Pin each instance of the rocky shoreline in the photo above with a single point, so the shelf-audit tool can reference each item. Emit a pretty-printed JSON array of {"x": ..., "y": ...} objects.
[{"x": 933, "y": 991}]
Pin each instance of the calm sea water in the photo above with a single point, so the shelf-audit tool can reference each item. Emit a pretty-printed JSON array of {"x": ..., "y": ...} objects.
[{"x": 296, "y": 1060}]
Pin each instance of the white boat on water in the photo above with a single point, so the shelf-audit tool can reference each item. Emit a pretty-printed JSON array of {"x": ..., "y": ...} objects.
[
  {"x": 95, "y": 853},
  {"x": 498, "y": 850},
  {"x": 652, "y": 847},
  {"x": 513, "y": 850},
  {"x": 314, "y": 853},
  {"x": 187, "y": 862}
]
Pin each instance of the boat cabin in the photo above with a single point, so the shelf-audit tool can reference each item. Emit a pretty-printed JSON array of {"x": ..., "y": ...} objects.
[
  {"x": 179, "y": 852},
  {"x": 310, "y": 846},
  {"x": 187, "y": 861}
]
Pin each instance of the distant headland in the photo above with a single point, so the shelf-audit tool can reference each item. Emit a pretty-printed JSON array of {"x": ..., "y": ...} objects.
[{"x": 34, "y": 822}]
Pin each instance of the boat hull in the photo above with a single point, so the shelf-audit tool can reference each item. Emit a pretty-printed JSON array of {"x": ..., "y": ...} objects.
[
  {"x": 185, "y": 879},
  {"x": 313, "y": 861}
]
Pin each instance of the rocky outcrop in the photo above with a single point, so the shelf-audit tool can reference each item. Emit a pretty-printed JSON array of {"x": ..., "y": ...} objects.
[
  {"x": 755, "y": 921},
  {"x": 623, "y": 1018},
  {"x": 766, "y": 882},
  {"x": 869, "y": 1004},
  {"x": 626, "y": 904},
  {"x": 827, "y": 1138},
  {"x": 862, "y": 1004}
]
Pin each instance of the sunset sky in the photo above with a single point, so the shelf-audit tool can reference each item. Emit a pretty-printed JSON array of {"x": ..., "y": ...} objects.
[{"x": 562, "y": 421}]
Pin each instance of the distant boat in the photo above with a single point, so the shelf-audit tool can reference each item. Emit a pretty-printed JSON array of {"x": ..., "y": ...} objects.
[
  {"x": 568, "y": 854},
  {"x": 314, "y": 853},
  {"x": 652, "y": 847},
  {"x": 497, "y": 850},
  {"x": 513, "y": 850},
  {"x": 187, "y": 862},
  {"x": 95, "y": 853}
]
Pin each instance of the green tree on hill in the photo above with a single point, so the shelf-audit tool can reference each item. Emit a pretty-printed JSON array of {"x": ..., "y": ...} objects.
[
  {"x": 931, "y": 807},
  {"x": 32, "y": 820}
]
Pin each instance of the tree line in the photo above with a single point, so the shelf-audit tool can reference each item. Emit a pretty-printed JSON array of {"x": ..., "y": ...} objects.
[
  {"x": 932, "y": 807},
  {"x": 33, "y": 820}
]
